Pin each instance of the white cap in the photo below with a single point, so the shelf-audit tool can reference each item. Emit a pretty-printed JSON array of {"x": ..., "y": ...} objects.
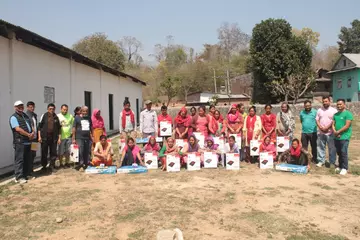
[{"x": 17, "y": 103}]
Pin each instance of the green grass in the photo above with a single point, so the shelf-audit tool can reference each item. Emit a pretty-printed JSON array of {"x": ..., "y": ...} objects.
[
  {"x": 137, "y": 234},
  {"x": 315, "y": 235}
]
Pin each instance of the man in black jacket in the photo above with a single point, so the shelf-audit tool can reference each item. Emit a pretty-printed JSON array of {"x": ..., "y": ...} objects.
[
  {"x": 33, "y": 118},
  {"x": 49, "y": 136}
]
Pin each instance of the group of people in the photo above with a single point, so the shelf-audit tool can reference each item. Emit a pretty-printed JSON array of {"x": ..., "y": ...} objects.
[
  {"x": 326, "y": 126},
  {"x": 55, "y": 133}
]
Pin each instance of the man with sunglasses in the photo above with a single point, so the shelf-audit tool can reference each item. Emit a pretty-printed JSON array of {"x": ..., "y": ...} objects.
[
  {"x": 23, "y": 133},
  {"x": 49, "y": 136}
]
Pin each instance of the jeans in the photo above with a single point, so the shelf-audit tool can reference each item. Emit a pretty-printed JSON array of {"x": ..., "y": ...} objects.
[
  {"x": 322, "y": 140},
  {"x": 84, "y": 151},
  {"x": 48, "y": 145},
  {"x": 312, "y": 138},
  {"x": 22, "y": 160},
  {"x": 342, "y": 151}
]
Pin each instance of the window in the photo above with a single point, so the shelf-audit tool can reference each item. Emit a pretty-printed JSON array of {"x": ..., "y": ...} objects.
[
  {"x": 88, "y": 101},
  {"x": 137, "y": 112},
  {"x": 339, "y": 84},
  {"x": 49, "y": 95},
  {"x": 344, "y": 62},
  {"x": 349, "y": 82},
  {"x": 111, "y": 112}
]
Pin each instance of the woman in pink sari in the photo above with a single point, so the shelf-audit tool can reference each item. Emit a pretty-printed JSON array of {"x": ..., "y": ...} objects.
[
  {"x": 252, "y": 130},
  {"x": 131, "y": 154},
  {"x": 182, "y": 123},
  {"x": 268, "y": 121},
  {"x": 235, "y": 121},
  {"x": 200, "y": 122},
  {"x": 268, "y": 146}
]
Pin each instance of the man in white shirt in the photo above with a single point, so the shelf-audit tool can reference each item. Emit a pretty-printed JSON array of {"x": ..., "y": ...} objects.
[
  {"x": 148, "y": 121},
  {"x": 127, "y": 122}
]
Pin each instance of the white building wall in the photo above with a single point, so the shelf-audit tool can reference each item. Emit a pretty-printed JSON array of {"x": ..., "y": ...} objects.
[
  {"x": 205, "y": 97},
  {"x": 34, "y": 68}
]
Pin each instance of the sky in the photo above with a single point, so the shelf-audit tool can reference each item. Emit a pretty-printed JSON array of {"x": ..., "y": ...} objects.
[{"x": 191, "y": 22}]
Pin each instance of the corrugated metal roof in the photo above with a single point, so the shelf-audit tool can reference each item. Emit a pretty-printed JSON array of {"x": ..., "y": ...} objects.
[
  {"x": 36, "y": 40},
  {"x": 354, "y": 57}
]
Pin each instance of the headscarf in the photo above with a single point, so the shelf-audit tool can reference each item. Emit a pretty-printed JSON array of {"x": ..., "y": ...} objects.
[
  {"x": 97, "y": 122},
  {"x": 183, "y": 120},
  {"x": 155, "y": 147},
  {"x": 295, "y": 152},
  {"x": 196, "y": 146},
  {"x": 168, "y": 149},
  {"x": 213, "y": 146},
  {"x": 233, "y": 118}
]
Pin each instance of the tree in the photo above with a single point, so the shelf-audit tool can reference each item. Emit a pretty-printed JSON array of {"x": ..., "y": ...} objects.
[
  {"x": 232, "y": 40},
  {"x": 169, "y": 87},
  {"x": 98, "y": 48},
  {"x": 131, "y": 47},
  {"x": 325, "y": 58},
  {"x": 349, "y": 38},
  {"x": 275, "y": 54},
  {"x": 309, "y": 36}
]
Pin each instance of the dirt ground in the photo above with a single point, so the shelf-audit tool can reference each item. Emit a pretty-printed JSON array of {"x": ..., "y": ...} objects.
[{"x": 205, "y": 205}]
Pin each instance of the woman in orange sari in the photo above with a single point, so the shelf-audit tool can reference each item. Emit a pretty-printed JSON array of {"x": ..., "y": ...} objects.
[{"x": 103, "y": 152}]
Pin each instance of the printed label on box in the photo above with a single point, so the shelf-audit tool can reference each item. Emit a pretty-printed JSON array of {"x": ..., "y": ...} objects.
[
  {"x": 151, "y": 160},
  {"x": 193, "y": 161},
  {"x": 221, "y": 142},
  {"x": 172, "y": 163},
  {"x": 266, "y": 160},
  {"x": 210, "y": 160},
  {"x": 255, "y": 147},
  {"x": 74, "y": 153},
  {"x": 201, "y": 138},
  {"x": 282, "y": 144},
  {"x": 233, "y": 161},
  {"x": 180, "y": 143},
  {"x": 165, "y": 129}
]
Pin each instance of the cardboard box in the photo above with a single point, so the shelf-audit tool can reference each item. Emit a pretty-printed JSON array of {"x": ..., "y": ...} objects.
[
  {"x": 146, "y": 140},
  {"x": 181, "y": 143},
  {"x": 282, "y": 144},
  {"x": 165, "y": 129},
  {"x": 221, "y": 142},
  {"x": 193, "y": 161},
  {"x": 291, "y": 168},
  {"x": 266, "y": 160},
  {"x": 151, "y": 160},
  {"x": 101, "y": 170},
  {"x": 238, "y": 139},
  {"x": 210, "y": 160},
  {"x": 201, "y": 138},
  {"x": 173, "y": 163},
  {"x": 232, "y": 161},
  {"x": 132, "y": 170},
  {"x": 255, "y": 147},
  {"x": 74, "y": 153}
]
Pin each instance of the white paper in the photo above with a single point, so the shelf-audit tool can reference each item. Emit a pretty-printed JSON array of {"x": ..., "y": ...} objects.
[
  {"x": 201, "y": 138},
  {"x": 172, "y": 163},
  {"x": 151, "y": 160},
  {"x": 74, "y": 153},
  {"x": 180, "y": 143},
  {"x": 266, "y": 160},
  {"x": 193, "y": 162},
  {"x": 85, "y": 125},
  {"x": 165, "y": 129},
  {"x": 221, "y": 142},
  {"x": 232, "y": 161},
  {"x": 255, "y": 147},
  {"x": 210, "y": 160},
  {"x": 282, "y": 143},
  {"x": 238, "y": 139}
]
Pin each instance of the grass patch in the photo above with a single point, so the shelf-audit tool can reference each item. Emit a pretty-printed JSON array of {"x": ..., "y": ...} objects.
[
  {"x": 137, "y": 234},
  {"x": 323, "y": 186},
  {"x": 355, "y": 169},
  {"x": 132, "y": 216},
  {"x": 286, "y": 188},
  {"x": 230, "y": 197},
  {"x": 250, "y": 193},
  {"x": 315, "y": 235}
]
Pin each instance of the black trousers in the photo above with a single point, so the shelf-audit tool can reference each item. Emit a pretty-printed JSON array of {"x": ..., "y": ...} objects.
[
  {"x": 48, "y": 145},
  {"x": 311, "y": 138},
  {"x": 22, "y": 160}
]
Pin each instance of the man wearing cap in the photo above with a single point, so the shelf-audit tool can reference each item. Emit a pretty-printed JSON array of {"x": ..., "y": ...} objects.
[
  {"x": 148, "y": 121},
  {"x": 23, "y": 133}
]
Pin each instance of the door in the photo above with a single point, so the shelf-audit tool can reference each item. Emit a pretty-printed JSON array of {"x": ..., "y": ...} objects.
[
  {"x": 88, "y": 101},
  {"x": 137, "y": 112},
  {"x": 111, "y": 112}
]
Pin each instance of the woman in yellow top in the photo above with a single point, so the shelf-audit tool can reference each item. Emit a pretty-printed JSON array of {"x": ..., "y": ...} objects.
[
  {"x": 241, "y": 109},
  {"x": 103, "y": 152}
]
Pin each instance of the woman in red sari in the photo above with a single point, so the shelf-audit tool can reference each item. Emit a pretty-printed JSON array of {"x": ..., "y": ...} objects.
[
  {"x": 200, "y": 122},
  {"x": 252, "y": 130},
  {"x": 216, "y": 124},
  {"x": 268, "y": 121},
  {"x": 235, "y": 121},
  {"x": 182, "y": 123}
]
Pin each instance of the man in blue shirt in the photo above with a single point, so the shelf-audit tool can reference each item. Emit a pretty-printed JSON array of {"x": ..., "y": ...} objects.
[
  {"x": 23, "y": 133},
  {"x": 309, "y": 129}
]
